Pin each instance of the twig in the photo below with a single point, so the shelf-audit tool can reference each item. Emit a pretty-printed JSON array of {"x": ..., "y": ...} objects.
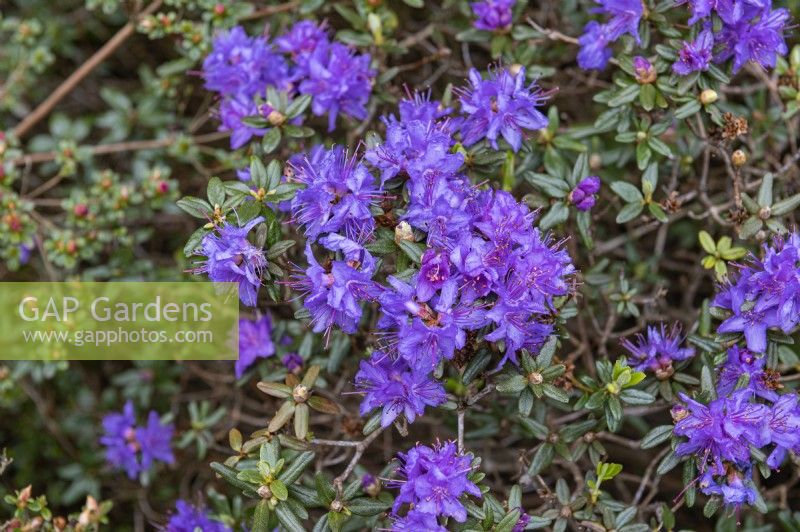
[
  {"x": 461, "y": 431},
  {"x": 271, "y": 10},
  {"x": 84, "y": 70},
  {"x": 360, "y": 448}
]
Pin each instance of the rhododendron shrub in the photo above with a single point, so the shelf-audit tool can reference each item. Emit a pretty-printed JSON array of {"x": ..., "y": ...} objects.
[{"x": 501, "y": 265}]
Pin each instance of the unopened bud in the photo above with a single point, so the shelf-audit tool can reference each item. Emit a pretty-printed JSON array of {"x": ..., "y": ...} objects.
[
  {"x": 300, "y": 393},
  {"x": 275, "y": 118},
  {"x": 708, "y": 96},
  {"x": 80, "y": 210},
  {"x": 534, "y": 377},
  {"x": 264, "y": 492},
  {"x": 738, "y": 158},
  {"x": 514, "y": 69},
  {"x": 765, "y": 212},
  {"x": 403, "y": 232}
]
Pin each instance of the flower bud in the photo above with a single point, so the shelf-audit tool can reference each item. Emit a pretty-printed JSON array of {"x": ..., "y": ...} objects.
[
  {"x": 643, "y": 70},
  {"x": 738, "y": 158},
  {"x": 276, "y": 118},
  {"x": 300, "y": 393},
  {"x": 402, "y": 232},
  {"x": 80, "y": 210},
  {"x": 264, "y": 492},
  {"x": 708, "y": 96}
]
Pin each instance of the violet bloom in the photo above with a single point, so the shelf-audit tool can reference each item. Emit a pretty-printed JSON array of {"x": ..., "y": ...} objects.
[
  {"x": 435, "y": 480},
  {"x": 594, "y": 52},
  {"x": 233, "y": 259},
  {"x": 300, "y": 42},
  {"x": 339, "y": 80},
  {"x": 584, "y": 195},
  {"x": 155, "y": 440},
  {"x": 339, "y": 192},
  {"x": 658, "y": 351},
  {"x": 416, "y": 148},
  {"x": 24, "y": 253},
  {"x": 231, "y": 112},
  {"x": 624, "y": 17},
  {"x": 416, "y": 521},
  {"x": 437, "y": 329},
  {"x": 723, "y": 430},
  {"x": 292, "y": 362},
  {"x": 760, "y": 42},
  {"x": 255, "y": 341},
  {"x": 333, "y": 294},
  {"x": 745, "y": 319},
  {"x": 434, "y": 271},
  {"x": 419, "y": 106},
  {"x": 695, "y": 56},
  {"x": 643, "y": 71},
  {"x": 734, "y": 486},
  {"x": 500, "y": 105},
  {"x": 397, "y": 388},
  {"x": 136, "y": 449},
  {"x": 493, "y": 15},
  {"x": 189, "y": 518},
  {"x": 784, "y": 428},
  {"x": 242, "y": 65},
  {"x": 701, "y": 9},
  {"x": 741, "y": 362},
  {"x": 119, "y": 439}
]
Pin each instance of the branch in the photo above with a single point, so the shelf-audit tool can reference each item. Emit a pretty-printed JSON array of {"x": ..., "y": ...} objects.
[{"x": 84, "y": 70}]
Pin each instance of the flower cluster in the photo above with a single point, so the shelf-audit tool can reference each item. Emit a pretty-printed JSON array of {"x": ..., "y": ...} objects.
[
  {"x": 255, "y": 341},
  {"x": 189, "y": 518},
  {"x": 749, "y": 412},
  {"x": 231, "y": 258},
  {"x": 623, "y": 18},
  {"x": 584, "y": 195},
  {"x": 749, "y": 31},
  {"x": 658, "y": 350},
  {"x": 133, "y": 448},
  {"x": 241, "y": 68},
  {"x": 765, "y": 294},
  {"x": 485, "y": 263},
  {"x": 501, "y": 105},
  {"x": 434, "y": 481},
  {"x": 493, "y": 15}
]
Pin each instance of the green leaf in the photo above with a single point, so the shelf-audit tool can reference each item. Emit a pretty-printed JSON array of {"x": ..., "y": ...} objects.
[
  {"x": 657, "y": 212},
  {"x": 261, "y": 517},
  {"x": 298, "y": 106},
  {"x": 512, "y": 385},
  {"x": 413, "y": 250},
  {"x": 279, "y": 490},
  {"x": 558, "y": 214},
  {"x": 647, "y": 96},
  {"x": 279, "y": 248},
  {"x": 215, "y": 191},
  {"x": 271, "y": 140},
  {"x": 555, "y": 393},
  {"x": 288, "y": 519},
  {"x": 629, "y": 212},
  {"x": 627, "y": 191},
  {"x": 542, "y": 459},
  {"x": 750, "y": 227},
  {"x": 688, "y": 109},
  {"x": 196, "y": 207},
  {"x": 656, "y": 436},
  {"x": 367, "y": 507},
  {"x": 626, "y": 95},
  {"x": 295, "y": 469},
  {"x": 659, "y": 146},
  {"x": 764, "y": 197},
  {"x": 636, "y": 397},
  {"x": 707, "y": 242},
  {"x": 785, "y": 206}
]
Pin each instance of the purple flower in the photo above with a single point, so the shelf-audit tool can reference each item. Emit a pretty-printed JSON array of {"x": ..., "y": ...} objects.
[
  {"x": 416, "y": 521},
  {"x": 339, "y": 80},
  {"x": 120, "y": 442},
  {"x": 242, "y": 65},
  {"x": 338, "y": 196},
  {"x": 397, "y": 388},
  {"x": 500, "y": 105},
  {"x": 135, "y": 449},
  {"x": 435, "y": 480},
  {"x": 700, "y": 9},
  {"x": 784, "y": 428},
  {"x": 231, "y": 112},
  {"x": 419, "y": 149},
  {"x": 658, "y": 350},
  {"x": 189, "y": 518},
  {"x": 522, "y": 522},
  {"x": 255, "y": 341},
  {"x": 493, "y": 15},
  {"x": 233, "y": 259},
  {"x": 643, "y": 71},
  {"x": 24, "y": 253},
  {"x": 292, "y": 362},
  {"x": 741, "y": 362},
  {"x": 333, "y": 294},
  {"x": 419, "y": 106},
  {"x": 597, "y": 38},
  {"x": 583, "y": 196},
  {"x": 155, "y": 440},
  {"x": 760, "y": 42},
  {"x": 434, "y": 271},
  {"x": 696, "y": 55},
  {"x": 595, "y": 52},
  {"x": 300, "y": 43},
  {"x": 625, "y": 16},
  {"x": 723, "y": 430},
  {"x": 734, "y": 486}
]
